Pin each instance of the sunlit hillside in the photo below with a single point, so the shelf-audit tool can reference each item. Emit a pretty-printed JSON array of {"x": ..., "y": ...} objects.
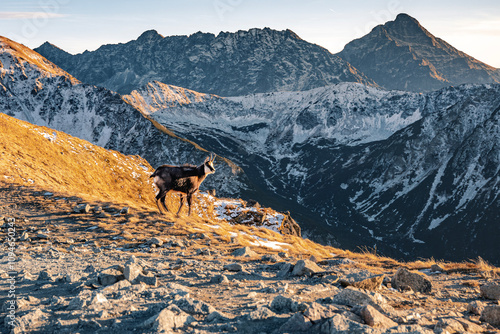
[{"x": 53, "y": 160}]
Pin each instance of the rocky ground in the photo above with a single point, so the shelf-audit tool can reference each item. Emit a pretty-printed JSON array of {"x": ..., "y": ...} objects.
[{"x": 70, "y": 267}]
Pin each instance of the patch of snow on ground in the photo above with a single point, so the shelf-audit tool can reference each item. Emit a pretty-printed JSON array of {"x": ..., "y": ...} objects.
[
  {"x": 269, "y": 244},
  {"x": 229, "y": 209}
]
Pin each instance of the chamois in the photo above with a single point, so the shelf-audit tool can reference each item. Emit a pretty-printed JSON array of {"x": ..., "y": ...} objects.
[{"x": 184, "y": 179}]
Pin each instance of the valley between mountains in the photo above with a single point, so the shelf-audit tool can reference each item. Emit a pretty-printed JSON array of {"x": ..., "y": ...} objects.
[{"x": 89, "y": 253}]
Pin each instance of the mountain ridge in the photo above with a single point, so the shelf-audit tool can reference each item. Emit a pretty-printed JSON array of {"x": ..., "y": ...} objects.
[
  {"x": 399, "y": 54},
  {"x": 227, "y": 64}
]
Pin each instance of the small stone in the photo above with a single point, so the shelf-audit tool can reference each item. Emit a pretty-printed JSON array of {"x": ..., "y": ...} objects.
[
  {"x": 341, "y": 324},
  {"x": 351, "y": 296},
  {"x": 155, "y": 241},
  {"x": 404, "y": 279},
  {"x": 475, "y": 307},
  {"x": 219, "y": 279},
  {"x": 97, "y": 298},
  {"x": 373, "y": 283},
  {"x": 81, "y": 301},
  {"x": 374, "y": 318},
  {"x": 316, "y": 312},
  {"x": 71, "y": 278},
  {"x": 82, "y": 208},
  {"x": 169, "y": 319},
  {"x": 449, "y": 325},
  {"x": 147, "y": 279},
  {"x": 261, "y": 313},
  {"x": 286, "y": 268},
  {"x": 217, "y": 316},
  {"x": 233, "y": 267},
  {"x": 281, "y": 304},
  {"x": 491, "y": 315},
  {"x": 45, "y": 276},
  {"x": 491, "y": 291},
  {"x": 297, "y": 323},
  {"x": 437, "y": 268},
  {"x": 110, "y": 276},
  {"x": 245, "y": 252},
  {"x": 305, "y": 267},
  {"x": 132, "y": 271},
  {"x": 286, "y": 305},
  {"x": 273, "y": 258},
  {"x": 28, "y": 321},
  {"x": 24, "y": 236},
  {"x": 470, "y": 327},
  {"x": 283, "y": 255},
  {"x": 127, "y": 235},
  {"x": 42, "y": 236},
  {"x": 125, "y": 210},
  {"x": 203, "y": 251},
  {"x": 193, "y": 306}
]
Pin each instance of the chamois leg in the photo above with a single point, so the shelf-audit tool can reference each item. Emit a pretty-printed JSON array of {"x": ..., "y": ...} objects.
[
  {"x": 189, "y": 200},
  {"x": 182, "y": 204},
  {"x": 160, "y": 199}
]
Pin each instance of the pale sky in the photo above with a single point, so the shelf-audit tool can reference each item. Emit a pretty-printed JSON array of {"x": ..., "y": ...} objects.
[{"x": 78, "y": 25}]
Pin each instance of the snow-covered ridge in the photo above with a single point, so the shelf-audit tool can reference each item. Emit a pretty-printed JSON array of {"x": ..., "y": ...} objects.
[
  {"x": 157, "y": 95},
  {"x": 16, "y": 58},
  {"x": 348, "y": 113}
]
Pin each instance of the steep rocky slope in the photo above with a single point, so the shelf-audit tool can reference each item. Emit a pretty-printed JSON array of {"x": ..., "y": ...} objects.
[
  {"x": 409, "y": 174},
  {"x": 229, "y": 64},
  {"x": 401, "y": 54}
]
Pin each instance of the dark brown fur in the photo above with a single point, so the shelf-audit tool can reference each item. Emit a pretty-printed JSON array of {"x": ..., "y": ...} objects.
[{"x": 184, "y": 179}]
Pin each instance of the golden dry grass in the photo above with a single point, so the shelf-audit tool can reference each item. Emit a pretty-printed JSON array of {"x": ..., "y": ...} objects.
[{"x": 53, "y": 160}]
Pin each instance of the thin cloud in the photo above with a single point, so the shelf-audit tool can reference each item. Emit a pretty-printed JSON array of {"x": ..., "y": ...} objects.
[{"x": 29, "y": 15}]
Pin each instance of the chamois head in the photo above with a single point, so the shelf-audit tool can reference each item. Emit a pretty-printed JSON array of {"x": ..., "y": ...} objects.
[{"x": 209, "y": 164}]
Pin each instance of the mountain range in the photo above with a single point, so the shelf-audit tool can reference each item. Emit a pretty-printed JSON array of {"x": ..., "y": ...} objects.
[
  {"x": 407, "y": 173},
  {"x": 229, "y": 64},
  {"x": 400, "y": 54}
]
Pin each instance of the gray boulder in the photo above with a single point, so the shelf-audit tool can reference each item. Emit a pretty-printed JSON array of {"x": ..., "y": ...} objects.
[
  {"x": 491, "y": 315},
  {"x": 491, "y": 291},
  {"x": 305, "y": 267},
  {"x": 404, "y": 279}
]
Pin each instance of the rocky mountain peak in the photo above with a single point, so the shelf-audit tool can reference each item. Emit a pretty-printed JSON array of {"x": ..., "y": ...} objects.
[
  {"x": 407, "y": 30},
  {"x": 402, "y": 54},
  {"x": 150, "y": 36}
]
